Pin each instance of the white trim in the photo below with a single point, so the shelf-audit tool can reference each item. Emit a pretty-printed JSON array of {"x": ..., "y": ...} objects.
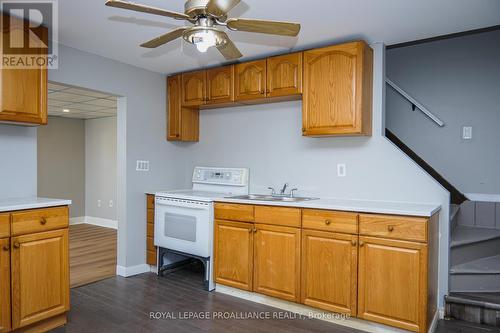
[
  {"x": 307, "y": 311},
  {"x": 132, "y": 270},
  {"x": 107, "y": 223},
  {"x": 483, "y": 197},
  {"x": 434, "y": 322}
]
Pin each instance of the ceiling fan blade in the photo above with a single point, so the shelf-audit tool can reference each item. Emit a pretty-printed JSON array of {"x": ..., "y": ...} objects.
[
  {"x": 229, "y": 50},
  {"x": 145, "y": 9},
  {"x": 264, "y": 27},
  {"x": 163, "y": 39},
  {"x": 220, "y": 8}
]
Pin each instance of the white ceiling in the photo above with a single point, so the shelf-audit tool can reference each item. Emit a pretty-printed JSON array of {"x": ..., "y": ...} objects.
[
  {"x": 116, "y": 33},
  {"x": 79, "y": 103}
]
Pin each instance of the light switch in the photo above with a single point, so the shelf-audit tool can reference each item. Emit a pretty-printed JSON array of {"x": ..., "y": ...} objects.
[
  {"x": 341, "y": 170},
  {"x": 467, "y": 132}
]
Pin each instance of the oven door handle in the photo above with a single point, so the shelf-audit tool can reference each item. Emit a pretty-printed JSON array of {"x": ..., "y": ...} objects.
[{"x": 183, "y": 205}]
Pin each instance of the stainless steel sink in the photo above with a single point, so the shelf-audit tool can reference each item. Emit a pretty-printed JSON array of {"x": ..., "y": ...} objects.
[{"x": 264, "y": 197}]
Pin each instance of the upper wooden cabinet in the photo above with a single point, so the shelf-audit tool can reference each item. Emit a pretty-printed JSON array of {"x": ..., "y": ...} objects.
[
  {"x": 233, "y": 244},
  {"x": 4, "y": 285},
  {"x": 250, "y": 80},
  {"x": 23, "y": 91},
  {"x": 40, "y": 277},
  {"x": 337, "y": 95},
  {"x": 284, "y": 75},
  {"x": 393, "y": 283},
  {"x": 182, "y": 122},
  {"x": 330, "y": 271},
  {"x": 220, "y": 85},
  {"x": 193, "y": 89}
]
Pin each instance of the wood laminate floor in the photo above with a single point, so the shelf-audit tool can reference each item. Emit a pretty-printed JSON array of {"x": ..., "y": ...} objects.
[
  {"x": 92, "y": 253},
  {"x": 125, "y": 305}
]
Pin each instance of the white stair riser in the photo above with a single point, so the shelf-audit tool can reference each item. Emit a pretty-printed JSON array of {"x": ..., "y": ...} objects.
[{"x": 475, "y": 283}]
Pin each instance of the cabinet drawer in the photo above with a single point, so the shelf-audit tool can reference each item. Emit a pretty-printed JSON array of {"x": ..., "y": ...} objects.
[
  {"x": 330, "y": 220},
  {"x": 391, "y": 226},
  {"x": 37, "y": 220},
  {"x": 150, "y": 201},
  {"x": 4, "y": 225},
  {"x": 278, "y": 216},
  {"x": 234, "y": 212}
]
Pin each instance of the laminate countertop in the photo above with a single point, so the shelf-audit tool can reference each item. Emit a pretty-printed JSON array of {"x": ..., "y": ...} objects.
[
  {"x": 361, "y": 206},
  {"x": 7, "y": 205}
]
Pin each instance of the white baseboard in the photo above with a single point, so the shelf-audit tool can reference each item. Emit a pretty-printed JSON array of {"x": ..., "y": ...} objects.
[
  {"x": 132, "y": 270},
  {"x": 107, "y": 223},
  {"x": 434, "y": 322},
  {"x": 483, "y": 197},
  {"x": 310, "y": 312}
]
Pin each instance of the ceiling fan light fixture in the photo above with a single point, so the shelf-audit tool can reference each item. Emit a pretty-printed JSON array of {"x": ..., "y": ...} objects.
[{"x": 204, "y": 39}]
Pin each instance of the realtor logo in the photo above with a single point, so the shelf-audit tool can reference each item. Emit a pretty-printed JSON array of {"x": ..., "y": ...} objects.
[{"x": 30, "y": 34}]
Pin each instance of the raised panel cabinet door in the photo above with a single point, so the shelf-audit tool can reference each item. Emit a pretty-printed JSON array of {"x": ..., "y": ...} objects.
[
  {"x": 234, "y": 254},
  {"x": 284, "y": 75},
  {"x": 220, "y": 85},
  {"x": 329, "y": 271},
  {"x": 392, "y": 283},
  {"x": 194, "y": 88},
  {"x": 277, "y": 261},
  {"x": 4, "y": 285},
  {"x": 337, "y": 95},
  {"x": 23, "y": 91},
  {"x": 40, "y": 276},
  {"x": 250, "y": 80},
  {"x": 174, "y": 108}
]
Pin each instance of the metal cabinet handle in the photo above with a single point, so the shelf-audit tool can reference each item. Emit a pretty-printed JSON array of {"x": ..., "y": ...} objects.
[
  {"x": 17, "y": 245},
  {"x": 43, "y": 221},
  {"x": 250, "y": 230},
  {"x": 5, "y": 248},
  {"x": 327, "y": 222},
  {"x": 254, "y": 230},
  {"x": 354, "y": 243},
  {"x": 390, "y": 228},
  {"x": 361, "y": 244}
]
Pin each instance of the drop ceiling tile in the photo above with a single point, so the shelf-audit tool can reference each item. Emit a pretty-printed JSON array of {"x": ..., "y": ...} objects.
[
  {"x": 65, "y": 97},
  {"x": 78, "y": 107},
  {"x": 53, "y": 102},
  {"x": 103, "y": 102},
  {"x": 55, "y": 86},
  {"x": 113, "y": 111},
  {"x": 84, "y": 92}
]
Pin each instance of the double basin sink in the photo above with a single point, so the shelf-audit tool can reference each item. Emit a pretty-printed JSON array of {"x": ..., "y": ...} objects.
[{"x": 264, "y": 197}]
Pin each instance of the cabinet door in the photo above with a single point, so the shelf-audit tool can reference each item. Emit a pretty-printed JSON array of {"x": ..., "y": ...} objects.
[
  {"x": 392, "y": 285},
  {"x": 338, "y": 90},
  {"x": 40, "y": 276},
  {"x": 284, "y": 75},
  {"x": 194, "y": 88},
  {"x": 250, "y": 81},
  {"x": 220, "y": 85},
  {"x": 234, "y": 254},
  {"x": 4, "y": 285},
  {"x": 150, "y": 230},
  {"x": 277, "y": 261},
  {"x": 329, "y": 271},
  {"x": 23, "y": 91},
  {"x": 174, "y": 108}
]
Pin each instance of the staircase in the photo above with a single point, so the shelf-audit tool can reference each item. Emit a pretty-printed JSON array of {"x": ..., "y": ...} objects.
[{"x": 475, "y": 263}]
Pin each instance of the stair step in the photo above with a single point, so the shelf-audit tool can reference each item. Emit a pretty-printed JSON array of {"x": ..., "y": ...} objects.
[
  {"x": 454, "y": 211},
  {"x": 468, "y": 235},
  {"x": 479, "y": 308},
  {"x": 488, "y": 265}
]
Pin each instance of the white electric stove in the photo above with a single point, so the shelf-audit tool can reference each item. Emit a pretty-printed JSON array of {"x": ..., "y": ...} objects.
[{"x": 184, "y": 219}]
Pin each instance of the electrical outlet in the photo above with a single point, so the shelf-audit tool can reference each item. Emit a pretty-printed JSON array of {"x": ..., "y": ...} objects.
[
  {"x": 341, "y": 170},
  {"x": 110, "y": 203},
  {"x": 99, "y": 203},
  {"x": 142, "y": 166},
  {"x": 467, "y": 132}
]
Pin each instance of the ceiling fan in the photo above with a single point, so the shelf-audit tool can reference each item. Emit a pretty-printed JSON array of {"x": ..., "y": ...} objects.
[{"x": 206, "y": 15}]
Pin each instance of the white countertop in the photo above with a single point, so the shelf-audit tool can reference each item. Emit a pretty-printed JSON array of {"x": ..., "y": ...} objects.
[
  {"x": 7, "y": 205},
  {"x": 362, "y": 206}
]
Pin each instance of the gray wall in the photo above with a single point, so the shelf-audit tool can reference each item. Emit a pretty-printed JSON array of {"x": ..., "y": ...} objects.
[
  {"x": 459, "y": 80},
  {"x": 61, "y": 162},
  {"x": 18, "y": 161},
  {"x": 100, "y": 167}
]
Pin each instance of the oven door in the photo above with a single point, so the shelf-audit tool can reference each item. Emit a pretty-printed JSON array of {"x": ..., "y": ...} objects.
[{"x": 184, "y": 225}]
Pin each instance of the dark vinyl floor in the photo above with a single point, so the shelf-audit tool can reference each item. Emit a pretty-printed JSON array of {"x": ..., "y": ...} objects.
[{"x": 125, "y": 305}]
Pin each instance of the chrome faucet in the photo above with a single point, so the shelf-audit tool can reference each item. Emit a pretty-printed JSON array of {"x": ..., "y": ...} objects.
[
  {"x": 273, "y": 191},
  {"x": 283, "y": 189}
]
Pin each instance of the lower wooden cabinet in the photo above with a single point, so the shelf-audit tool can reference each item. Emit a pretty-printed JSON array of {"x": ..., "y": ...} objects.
[
  {"x": 234, "y": 242},
  {"x": 4, "y": 285},
  {"x": 150, "y": 230},
  {"x": 277, "y": 261},
  {"x": 329, "y": 271},
  {"x": 40, "y": 277},
  {"x": 393, "y": 283}
]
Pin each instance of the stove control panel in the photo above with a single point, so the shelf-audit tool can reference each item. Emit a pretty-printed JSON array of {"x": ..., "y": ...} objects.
[{"x": 221, "y": 176}]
